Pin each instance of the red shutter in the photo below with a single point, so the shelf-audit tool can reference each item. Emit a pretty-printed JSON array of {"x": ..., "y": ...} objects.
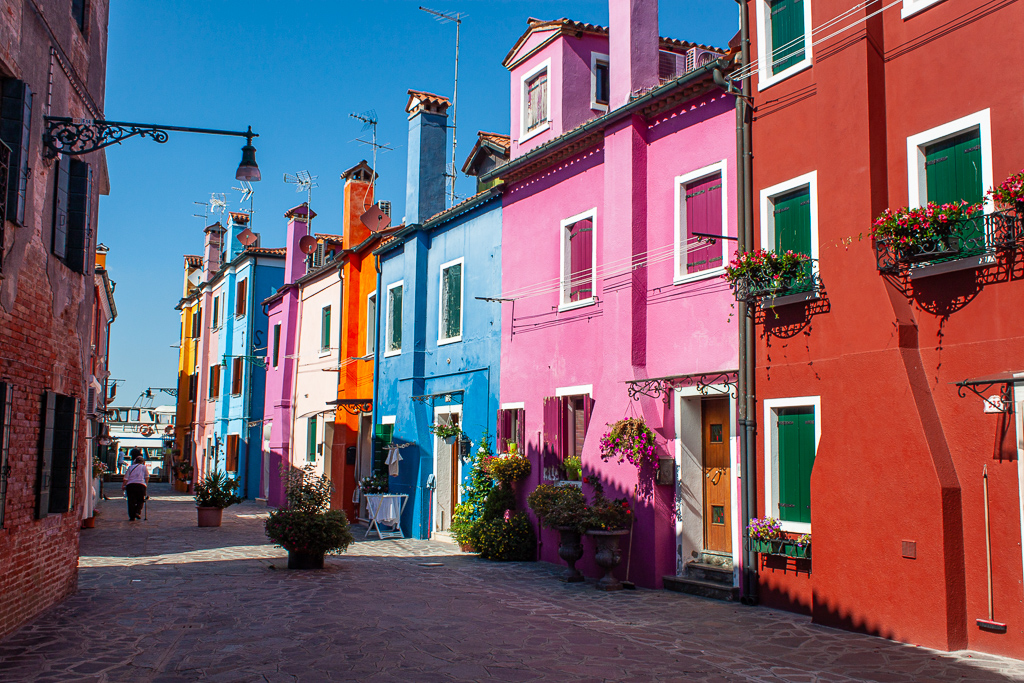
[
  {"x": 502, "y": 432},
  {"x": 703, "y": 214},
  {"x": 581, "y": 257},
  {"x": 588, "y": 410},
  {"x": 550, "y": 449},
  {"x": 564, "y": 432},
  {"x": 521, "y": 429}
]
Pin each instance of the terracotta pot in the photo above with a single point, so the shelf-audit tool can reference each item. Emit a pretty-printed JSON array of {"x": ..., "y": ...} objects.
[
  {"x": 305, "y": 560},
  {"x": 467, "y": 548},
  {"x": 210, "y": 516},
  {"x": 608, "y": 555},
  {"x": 570, "y": 549},
  {"x": 88, "y": 522}
]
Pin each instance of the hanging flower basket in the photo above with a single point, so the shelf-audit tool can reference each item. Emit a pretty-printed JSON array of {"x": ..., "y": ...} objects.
[
  {"x": 755, "y": 275},
  {"x": 630, "y": 439},
  {"x": 450, "y": 433}
]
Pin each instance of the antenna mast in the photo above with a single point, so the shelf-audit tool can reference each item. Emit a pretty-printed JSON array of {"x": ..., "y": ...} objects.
[
  {"x": 304, "y": 181},
  {"x": 369, "y": 119},
  {"x": 455, "y": 18}
]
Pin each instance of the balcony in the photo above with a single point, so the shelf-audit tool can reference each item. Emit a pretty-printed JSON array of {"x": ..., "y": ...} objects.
[
  {"x": 766, "y": 291},
  {"x": 972, "y": 240}
]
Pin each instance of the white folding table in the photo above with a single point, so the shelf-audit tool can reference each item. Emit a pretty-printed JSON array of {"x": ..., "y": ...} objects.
[{"x": 386, "y": 509}]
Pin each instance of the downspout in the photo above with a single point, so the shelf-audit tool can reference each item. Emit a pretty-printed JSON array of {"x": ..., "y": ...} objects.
[{"x": 746, "y": 408}]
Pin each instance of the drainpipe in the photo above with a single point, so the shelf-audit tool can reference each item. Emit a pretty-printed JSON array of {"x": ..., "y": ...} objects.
[{"x": 746, "y": 409}]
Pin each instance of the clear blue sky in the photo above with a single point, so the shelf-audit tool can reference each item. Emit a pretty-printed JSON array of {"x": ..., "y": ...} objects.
[{"x": 294, "y": 71}]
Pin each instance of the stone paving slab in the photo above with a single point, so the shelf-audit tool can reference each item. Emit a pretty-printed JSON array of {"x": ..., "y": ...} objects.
[{"x": 163, "y": 600}]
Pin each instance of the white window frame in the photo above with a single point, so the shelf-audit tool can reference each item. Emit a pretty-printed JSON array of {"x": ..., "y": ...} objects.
[
  {"x": 912, "y": 7},
  {"x": 387, "y": 419},
  {"x": 768, "y": 196},
  {"x": 595, "y": 57},
  {"x": 578, "y": 390},
  {"x": 771, "y": 461},
  {"x": 326, "y": 350},
  {"x": 680, "y": 275},
  {"x": 765, "y": 78},
  {"x": 521, "y": 405},
  {"x": 371, "y": 338},
  {"x": 525, "y": 135},
  {"x": 388, "y": 319},
  {"x": 565, "y": 267},
  {"x": 441, "y": 341},
  {"x": 917, "y": 186}
]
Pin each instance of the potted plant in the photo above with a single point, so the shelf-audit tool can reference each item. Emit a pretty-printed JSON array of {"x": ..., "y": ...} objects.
[
  {"x": 377, "y": 483},
  {"x": 563, "y": 508},
  {"x": 99, "y": 468},
  {"x": 183, "y": 471},
  {"x": 607, "y": 521},
  {"x": 510, "y": 467},
  {"x": 90, "y": 522},
  {"x": 925, "y": 233},
  {"x": 573, "y": 468},
  {"x": 1010, "y": 193},
  {"x": 307, "y": 529},
  {"x": 449, "y": 432},
  {"x": 765, "y": 534},
  {"x": 502, "y": 533},
  {"x": 763, "y": 272},
  {"x": 631, "y": 440},
  {"x": 214, "y": 493}
]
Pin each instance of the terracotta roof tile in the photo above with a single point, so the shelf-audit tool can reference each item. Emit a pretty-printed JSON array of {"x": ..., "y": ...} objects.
[
  {"x": 262, "y": 251},
  {"x": 193, "y": 261},
  {"x": 329, "y": 238}
]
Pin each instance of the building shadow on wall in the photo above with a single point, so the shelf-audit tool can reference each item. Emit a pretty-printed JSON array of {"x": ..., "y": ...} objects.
[{"x": 789, "y": 320}]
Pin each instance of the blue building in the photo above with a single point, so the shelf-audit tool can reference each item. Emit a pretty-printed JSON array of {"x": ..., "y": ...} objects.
[
  {"x": 438, "y": 343},
  {"x": 250, "y": 275}
]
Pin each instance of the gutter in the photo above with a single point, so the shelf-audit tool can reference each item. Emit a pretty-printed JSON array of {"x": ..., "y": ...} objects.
[
  {"x": 603, "y": 121},
  {"x": 451, "y": 214}
]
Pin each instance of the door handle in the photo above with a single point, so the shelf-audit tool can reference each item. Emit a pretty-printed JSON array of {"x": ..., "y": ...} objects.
[{"x": 716, "y": 475}]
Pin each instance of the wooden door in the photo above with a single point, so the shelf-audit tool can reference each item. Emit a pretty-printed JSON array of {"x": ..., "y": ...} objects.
[
  {"x": 717, "y": 476},
  {"x": 447, "y": 478}
]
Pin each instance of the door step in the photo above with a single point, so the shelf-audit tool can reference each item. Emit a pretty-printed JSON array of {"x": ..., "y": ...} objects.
[
  {"x": 718, "y": 559},
  {"x": 702, "y": 588},
  {"x": 709, "y": 572}
]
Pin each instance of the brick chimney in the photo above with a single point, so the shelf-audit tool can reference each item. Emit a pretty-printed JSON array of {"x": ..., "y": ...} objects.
[
  {"x": 358, "y": 200},
  {"x": 428, "y": 138},
  {"x": 632, "y": 48},
  {"x": 298, "y": 227},
  {"x": 212, "y": 250},
  {"x": 237, "y": 223}
]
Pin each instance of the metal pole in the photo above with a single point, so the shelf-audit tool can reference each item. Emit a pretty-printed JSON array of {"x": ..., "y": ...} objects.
[{"x": 455, "y": 109}]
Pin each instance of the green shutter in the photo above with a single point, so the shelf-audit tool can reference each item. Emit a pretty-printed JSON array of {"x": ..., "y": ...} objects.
[
  {"x": 311, "y": 439},
  {"x": 325, "y": 328},
  {"x": 795, "y": 429},
  {"x": 396, "y": 319},
  {"x": 453, "y": 301},
  {"x": 952, "y": 171},
  {"x": 792, "y": 221},
  {"x": 787, "y": 25},
  {"x": 382, "y": 439},
  {"x": 277, "y": 344}
]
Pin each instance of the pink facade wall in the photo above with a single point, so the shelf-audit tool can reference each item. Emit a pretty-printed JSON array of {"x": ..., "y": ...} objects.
[
  {"x": 643, "y": 325},
  {"x": 278, "y": 398}
]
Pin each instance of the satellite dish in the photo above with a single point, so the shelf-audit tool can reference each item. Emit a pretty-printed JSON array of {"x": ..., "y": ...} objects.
[
  {"x": 247, "y": 237},
  {"x": 376, "y": 219},
  {"x": 307, "y": 245}
]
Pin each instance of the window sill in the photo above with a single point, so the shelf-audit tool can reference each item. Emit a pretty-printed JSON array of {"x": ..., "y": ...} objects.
[
  {"x": 573, "y": 305},
  {"x": 535, "y": 132},
  {"x": 698, "y": 276},
  {"x": 913, "y": 7},
  {"x": 969, "y": 263},
  {"x": 796, "y": 527},
  {"x": 764, "y": 82},
  {"x": 396, "y": 352},
  {"x": 324, "y": 353},
  {"x": 597, "y": 106},
  {"x": 449, "y": 340}
]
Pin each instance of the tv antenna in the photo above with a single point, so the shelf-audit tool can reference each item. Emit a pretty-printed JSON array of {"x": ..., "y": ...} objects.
[
  {"x": 452, "y": 18},
  {"x": 369, "y": 119},
  {"x": 247, "y": 192},
  {"x": 303, "y": 181},
  {"x": 205, "y": 215},
  {"x": 218, "y": 203}
]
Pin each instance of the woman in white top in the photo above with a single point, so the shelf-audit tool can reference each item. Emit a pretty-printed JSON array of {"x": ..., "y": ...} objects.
[{"x": 134, "y": 485}]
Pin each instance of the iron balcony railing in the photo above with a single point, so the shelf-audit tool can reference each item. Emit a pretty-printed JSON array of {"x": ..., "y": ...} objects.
[
  {"x": 977, "y": 236},
  {"x": 754, "y": 290}
]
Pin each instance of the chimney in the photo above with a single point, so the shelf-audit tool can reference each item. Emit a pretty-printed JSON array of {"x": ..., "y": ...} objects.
[
  {"x": 238, "y": 223},
  {"x": 298, "y": 227},
  {"x": 428, "y": 136},
  {"x": 632, "y": 48},
  {"x": 358, "y": 200},
  {"x": 212, "y": 250}
]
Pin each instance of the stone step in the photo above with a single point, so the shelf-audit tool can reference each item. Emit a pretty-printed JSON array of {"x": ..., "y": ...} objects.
[
  {"x": 704, "y": 589},
  {"x": 716, "y": 558},
  {"x": 708, "y": 572}
]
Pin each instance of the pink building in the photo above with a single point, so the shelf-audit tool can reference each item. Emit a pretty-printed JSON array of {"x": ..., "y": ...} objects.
[
  {"x": 623, "y": 148},
  {"x": 207, "y": 359}
]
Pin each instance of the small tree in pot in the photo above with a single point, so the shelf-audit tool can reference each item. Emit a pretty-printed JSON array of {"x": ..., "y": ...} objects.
[
  {"x": 564, "y": 509},
  {"x": 214, "y": 493},
  {"x": 307, "y": 529}
]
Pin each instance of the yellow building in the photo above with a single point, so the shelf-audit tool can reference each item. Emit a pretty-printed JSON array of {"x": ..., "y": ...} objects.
[{"x": 191, "y": 317}]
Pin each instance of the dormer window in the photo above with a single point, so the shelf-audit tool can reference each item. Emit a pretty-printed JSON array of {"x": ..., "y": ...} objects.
[
  {"x": 599, "y": 82},
  {"x": 536, "y": 101}
]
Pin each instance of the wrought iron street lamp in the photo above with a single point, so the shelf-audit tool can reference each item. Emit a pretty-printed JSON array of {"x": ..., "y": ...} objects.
[{"x": 66, "y": 135}]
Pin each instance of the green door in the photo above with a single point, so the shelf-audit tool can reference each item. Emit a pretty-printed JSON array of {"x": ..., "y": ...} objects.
[
  {"x": 796, "y": 459},
  {"x": 792, "y": 220},
  {"x": 952, "y": 173},
  {"x": 787, "y": 21},
  {"x": 383, "y": 435}
]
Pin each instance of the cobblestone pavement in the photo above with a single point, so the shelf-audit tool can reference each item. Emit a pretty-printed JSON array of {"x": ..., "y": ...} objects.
[{"x": 163, "y": 600}]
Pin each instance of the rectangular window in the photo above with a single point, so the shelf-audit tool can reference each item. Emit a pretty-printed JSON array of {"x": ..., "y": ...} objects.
[
  {"x": 59, "y": 225},
  {"x": 277, "y": 343},
  {"x": 393, "y": 343},
  {"x": 311, "y": 440},
  {"x": 236, "y": 376},
  {"x": 197, "y": 318},
  {"x": 240, "y": 296},
  {"x": 787, "y": 24},
  {"x": 536, "y": 100},
  {"x": 700, "y": 210},
  {"x": 789, "y": 223},
  {"x": 59, "y": 456},
  {"x": 214, "y": 382},
  {"x": 6, "y": 410},
  {"x": 511, "y": 429},
  {"x": 79, "y": 12},
  {"x": 790, "y": 448},
  {"x": 600, "y": 84},
  {"x": 578, "y": 259},
  {"x": 371, "y": 324},
  {"x": 566, "y": 422},
  {"x": 383, "y": 434},
  {"x": 79, "y": 216},
  {"x": 216, "y": 312},
  {"x": 231, "y": 453},
  {"x": 325, "y": 329},
  {"x": 15, "y": 131},
  {"x": 451, "y": 302}
]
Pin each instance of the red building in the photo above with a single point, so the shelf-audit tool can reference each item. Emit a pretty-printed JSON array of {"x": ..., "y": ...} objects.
[{"x": 858, "y": 409}]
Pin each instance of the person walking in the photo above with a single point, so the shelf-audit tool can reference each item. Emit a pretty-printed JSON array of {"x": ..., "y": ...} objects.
[{"x": 134, "y": 485}]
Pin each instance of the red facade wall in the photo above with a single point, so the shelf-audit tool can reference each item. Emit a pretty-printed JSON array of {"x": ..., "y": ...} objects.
[{"x": 901, "y": 454}]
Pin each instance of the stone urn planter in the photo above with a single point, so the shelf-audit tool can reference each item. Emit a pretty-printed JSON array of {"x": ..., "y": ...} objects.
[
  {"x": 210, "y": 516},
  {"x": 570, "y": 549},
  {"x": 298, "y": 560},
  {"x": 608, "y": 555}
]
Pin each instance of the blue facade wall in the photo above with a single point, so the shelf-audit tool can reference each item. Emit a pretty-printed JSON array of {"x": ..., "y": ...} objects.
[{"x": 466, "y": 369}]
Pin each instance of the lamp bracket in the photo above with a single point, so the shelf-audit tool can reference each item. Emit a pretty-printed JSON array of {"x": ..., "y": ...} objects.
[{"x": 65, "y": 135}]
